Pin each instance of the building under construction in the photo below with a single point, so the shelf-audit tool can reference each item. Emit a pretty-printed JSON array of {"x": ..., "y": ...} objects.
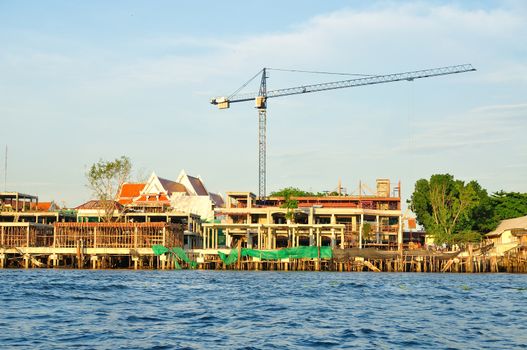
[
  {"x": 85, "y": 244},
  {"x": 373, "y": 220}
]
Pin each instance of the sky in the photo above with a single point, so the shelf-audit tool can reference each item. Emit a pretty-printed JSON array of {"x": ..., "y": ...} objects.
[{"x": 88, "y": 80}]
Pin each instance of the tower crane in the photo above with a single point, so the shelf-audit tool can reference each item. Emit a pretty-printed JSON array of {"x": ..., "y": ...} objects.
[{"x": 263, "y": 95}]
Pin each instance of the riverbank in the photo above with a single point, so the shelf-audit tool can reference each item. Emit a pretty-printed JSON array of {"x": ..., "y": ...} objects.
[{"x": 289, "y": 259}]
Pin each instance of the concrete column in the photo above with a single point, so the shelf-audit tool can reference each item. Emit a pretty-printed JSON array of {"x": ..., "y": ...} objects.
[
  {"x": 333, "y": 238},
  {"x": 360, "y": 230},
  {"x": 94, "y": 259},
  {"x": 378, "y": 230},
  {"x": 2, "y": 260},
  {"x": 269, "y": 238},
  {"x": 297, "y": 241},
  {"x": 400, "y": 234},
  {"x": 354, "y": 223},
  {"x": 162, "y": 261},
  {"x": 216, "y": 238},
  {"x": 54, "y": 260},
  {"x": 341, "y": 238},
  {"x": 318, "y": 237},
  {"x": 249, "y": 239},
  {"x": 228, "y": 239},
  {"x": 26, "y": 261},
  {"x": 259, "y": 238},
  {"x": 311, "y": 237},
  {"x": 135, "y": 259}
]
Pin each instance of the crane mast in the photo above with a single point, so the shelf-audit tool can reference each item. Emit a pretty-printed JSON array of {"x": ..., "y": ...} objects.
[
  {"x": 261, "y": 104},
  {"x": 263, "y": 94}
]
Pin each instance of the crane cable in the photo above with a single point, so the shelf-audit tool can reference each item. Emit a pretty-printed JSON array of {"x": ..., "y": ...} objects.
[
  {"x": 296, "y": 71},
  {"x": 320, "y": 72},
  {"x": 244, "y": 85}
]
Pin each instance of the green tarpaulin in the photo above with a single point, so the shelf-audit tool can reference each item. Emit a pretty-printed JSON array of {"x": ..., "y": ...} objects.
[
  {"x": 176, "y": 251},
  {"x": 286, "y": 253},
  {"x": 232, "y": 257}
]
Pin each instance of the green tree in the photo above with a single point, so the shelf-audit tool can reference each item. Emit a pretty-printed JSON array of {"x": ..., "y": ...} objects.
[
  {"x": 509, "y": 205},
  {"x": 290, "y": 205},
  {"x": 499, "y": 206},
  {"x": 105, "y": 179},
  {"x": 449, "y": 209},
  {"x": 289, "y": 192}
]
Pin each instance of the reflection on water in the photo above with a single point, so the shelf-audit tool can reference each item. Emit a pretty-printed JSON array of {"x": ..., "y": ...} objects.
[{"x": 260, "y": 310}]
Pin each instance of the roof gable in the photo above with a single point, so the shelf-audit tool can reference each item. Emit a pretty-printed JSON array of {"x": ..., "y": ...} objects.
[
  {"x": 509, "y": 224},
  {"x": 153, "y": 185},
  {"x": 217, "y": 199},
  {"x": 172, "y": 186},
  {"x": 193, "y": 184}
]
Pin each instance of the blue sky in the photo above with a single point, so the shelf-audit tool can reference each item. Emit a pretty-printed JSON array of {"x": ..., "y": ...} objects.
[{"x": 83, "y": 81}]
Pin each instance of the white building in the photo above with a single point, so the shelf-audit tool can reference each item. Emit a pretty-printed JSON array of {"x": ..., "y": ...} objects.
[{"x": 187, "y": 194}]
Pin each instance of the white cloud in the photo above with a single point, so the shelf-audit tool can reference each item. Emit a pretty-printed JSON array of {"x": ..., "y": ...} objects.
[
  {"x": 378, "y": 40},
  {"x": 381, "y": 39},
  {"x": 486, "y": 125}
]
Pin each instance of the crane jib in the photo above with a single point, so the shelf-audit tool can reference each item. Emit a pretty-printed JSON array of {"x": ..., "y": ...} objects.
[
  {"x": 377, "y": 79},
  {"x": 263, "y": 94}
]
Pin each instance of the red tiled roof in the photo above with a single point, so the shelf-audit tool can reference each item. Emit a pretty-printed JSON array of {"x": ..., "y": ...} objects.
[
  {"x": 152, "y": 197},
  {"x": 131, "y": 190},
  {"x": 96, "y": 204},
  {"x": 44, "y": 206}
]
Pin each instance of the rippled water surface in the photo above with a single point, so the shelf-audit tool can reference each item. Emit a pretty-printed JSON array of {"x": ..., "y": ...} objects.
[{"x": 260, "y": 310}]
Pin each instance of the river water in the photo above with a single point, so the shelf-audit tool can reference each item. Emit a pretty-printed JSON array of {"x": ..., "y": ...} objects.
[{"x": 54, "y": 309}]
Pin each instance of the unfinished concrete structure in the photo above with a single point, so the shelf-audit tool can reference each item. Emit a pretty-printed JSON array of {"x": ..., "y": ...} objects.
[
  {"x": 80, "y": 245},
  {"x": 21, "y": 207},
  {"x": 336, "y": 221}
]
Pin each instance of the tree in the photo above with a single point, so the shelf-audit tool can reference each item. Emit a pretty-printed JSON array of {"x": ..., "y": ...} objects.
[
  {"x": 291, "y": 204},
  {"x": 449, "y": 209},
  {"x": 509, "y": 205},
  {"x": 105, "y": 179},
  {"x": 288, "y": 192}
]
